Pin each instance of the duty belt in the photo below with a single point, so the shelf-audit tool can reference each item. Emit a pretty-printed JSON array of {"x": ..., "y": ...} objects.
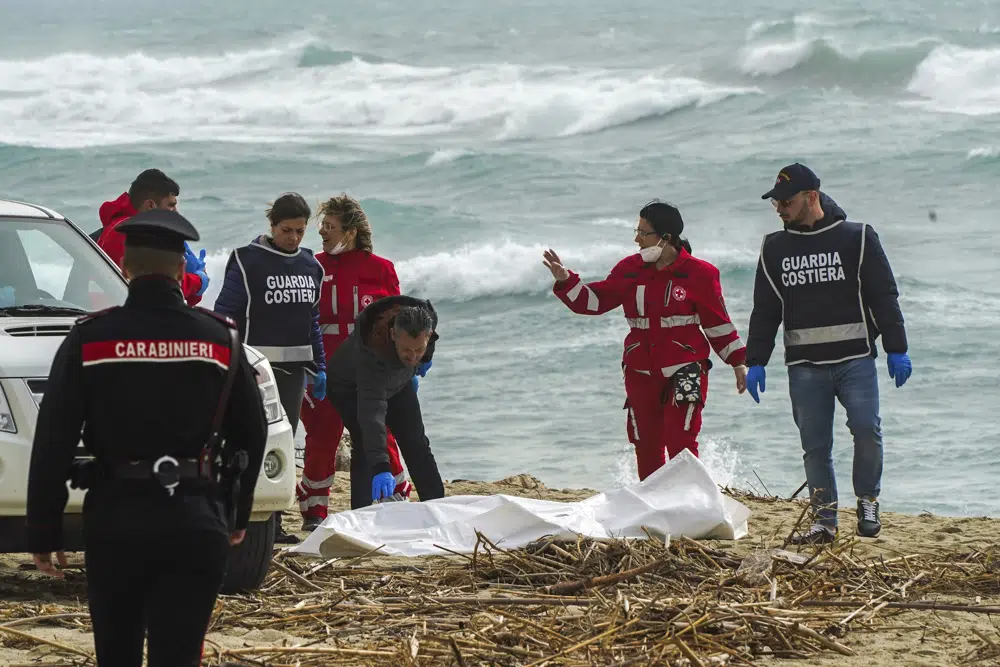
[{"x": 166, "y": 470}]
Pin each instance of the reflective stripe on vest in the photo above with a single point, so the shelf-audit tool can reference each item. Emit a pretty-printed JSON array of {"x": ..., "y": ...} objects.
[
  {"x": 679, "y": 321},
  {"x": 670, "y": 370},
  {"x": 334, "y": 329},
  {"x": 286, "y": 354},
  {"x": 832, "y": 334},
  {"x": 593, "y": 303},
  {"x": 720, "y": 331},
  {"x": 732, "y": 347},
  {"x": 668, "y": 322}
]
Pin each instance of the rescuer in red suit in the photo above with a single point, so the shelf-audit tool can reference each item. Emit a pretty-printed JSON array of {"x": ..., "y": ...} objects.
[
  {"x": 674, "y": 307},
  {"x": 152, "y": 189},
  {"x": 355, "y": 277}
]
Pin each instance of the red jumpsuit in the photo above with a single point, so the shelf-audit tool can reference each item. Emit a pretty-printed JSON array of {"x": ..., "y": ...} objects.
[
  {"x": 352, "y": 281},
  {"x": 670, "y": 312},
  {"x": 112, "y": 242}
]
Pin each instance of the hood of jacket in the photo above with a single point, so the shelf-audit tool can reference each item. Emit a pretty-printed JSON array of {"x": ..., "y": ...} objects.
[
  {"x": 832, "y": 213},
  {"x": 374, "y": 324},
  {"x": 116, "y": 210}
]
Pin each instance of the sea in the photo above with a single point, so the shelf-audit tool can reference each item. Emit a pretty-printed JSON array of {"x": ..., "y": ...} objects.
[{"x": 478, "y": 134}]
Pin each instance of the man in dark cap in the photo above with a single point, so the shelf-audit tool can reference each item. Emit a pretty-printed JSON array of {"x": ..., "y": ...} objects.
[
  {"x": 828, "y": 280},
  {"x": 184, "y": 417}
]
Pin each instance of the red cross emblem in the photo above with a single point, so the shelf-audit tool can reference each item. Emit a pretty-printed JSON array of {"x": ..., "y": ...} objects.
[
  {"x": 679, "y": 293},
  {"x": 366, "y": 300}
]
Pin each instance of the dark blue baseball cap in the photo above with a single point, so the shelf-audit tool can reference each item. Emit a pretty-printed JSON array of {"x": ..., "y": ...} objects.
[{"x": 792, "y": 180}]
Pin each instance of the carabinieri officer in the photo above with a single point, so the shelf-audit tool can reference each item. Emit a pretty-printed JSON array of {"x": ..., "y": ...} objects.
[{"x": 170, "y": 410}]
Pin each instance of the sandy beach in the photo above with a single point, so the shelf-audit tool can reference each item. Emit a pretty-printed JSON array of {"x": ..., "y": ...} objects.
[{"x": 893, "y": 637}]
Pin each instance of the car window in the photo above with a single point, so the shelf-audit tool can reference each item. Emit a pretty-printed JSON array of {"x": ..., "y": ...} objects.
[
  {"x": 47, "y": 262},
  {"x": 50, "y": 264}
]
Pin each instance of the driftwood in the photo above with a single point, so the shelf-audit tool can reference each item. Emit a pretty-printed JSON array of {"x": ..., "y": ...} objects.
[{"x": 576, "y": 603}]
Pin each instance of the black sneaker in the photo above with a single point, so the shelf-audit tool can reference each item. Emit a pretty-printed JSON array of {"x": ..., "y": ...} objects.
[
  {"x": 869, "y": 524},
  {"x": 817, "y": 534}
]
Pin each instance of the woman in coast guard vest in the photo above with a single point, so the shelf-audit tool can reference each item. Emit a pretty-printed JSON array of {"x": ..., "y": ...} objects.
[
  {"x": 672, "y": 301},
  {"x": 355, "y": 277},
  {"x": 271, "y": 290}
]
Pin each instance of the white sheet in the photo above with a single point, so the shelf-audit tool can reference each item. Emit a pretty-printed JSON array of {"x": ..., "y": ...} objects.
[{"x": 680, "y": 498}]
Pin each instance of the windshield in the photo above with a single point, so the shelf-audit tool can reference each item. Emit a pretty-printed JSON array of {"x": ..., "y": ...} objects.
[{"x": 47, "y": 265}]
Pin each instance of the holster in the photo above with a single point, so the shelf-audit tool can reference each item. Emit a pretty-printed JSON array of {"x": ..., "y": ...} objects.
[{"x": 232, "y": 474}]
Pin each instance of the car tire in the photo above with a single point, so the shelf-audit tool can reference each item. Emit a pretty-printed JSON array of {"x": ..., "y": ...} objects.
[{"x": 250, "y": 560}]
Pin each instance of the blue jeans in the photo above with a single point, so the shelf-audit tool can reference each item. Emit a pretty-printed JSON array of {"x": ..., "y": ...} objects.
[{"x": 813, "y": 389}]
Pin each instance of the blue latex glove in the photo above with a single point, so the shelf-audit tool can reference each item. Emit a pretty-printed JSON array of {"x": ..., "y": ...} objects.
[
  {"x": 416, "y": 383},
  {"x": 423, "y": 368},
  {"x": 204, "y": 281},
  {"x": 900, "y": 367},
  {"x": 194, "y": 263},
  {"x": 755, "y": 379},
  {"x": 6, "y": 297},
  {"x": 383, "y": 485},
  {"x": 319, "y": 386}
]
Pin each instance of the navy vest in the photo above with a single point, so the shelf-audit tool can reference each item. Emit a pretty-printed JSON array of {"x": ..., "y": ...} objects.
[
  {"x": 282, "y": 290},
  {"x": 816, "y": 274}
]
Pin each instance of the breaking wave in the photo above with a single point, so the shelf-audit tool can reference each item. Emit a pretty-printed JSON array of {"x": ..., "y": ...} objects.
[
  {"x": 928, "y": 71},
  {"x": 958, "y": 80},
  {"x": 502, "y": 268},
  {"x": 306, "y": 90}
]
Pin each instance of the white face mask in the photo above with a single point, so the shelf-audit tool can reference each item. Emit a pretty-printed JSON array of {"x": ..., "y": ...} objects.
[
  {"x": 652, "y": 253},
  {"x": 337, "y": 249}
]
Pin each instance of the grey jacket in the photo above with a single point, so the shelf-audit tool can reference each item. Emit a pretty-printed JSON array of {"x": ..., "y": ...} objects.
[{"x": 367, "y": 367}]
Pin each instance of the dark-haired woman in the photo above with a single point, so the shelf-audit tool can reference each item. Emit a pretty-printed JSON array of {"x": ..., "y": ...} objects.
[
  {"x": 271, "y": 289},
  {"x": 674, "y": 306}
]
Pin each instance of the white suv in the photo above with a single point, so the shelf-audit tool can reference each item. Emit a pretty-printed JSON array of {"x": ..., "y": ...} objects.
[{"x": 52, "y": 273}]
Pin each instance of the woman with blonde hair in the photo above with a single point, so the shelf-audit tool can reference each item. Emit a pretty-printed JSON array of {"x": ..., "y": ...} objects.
[{"x": 355, "y": 277}]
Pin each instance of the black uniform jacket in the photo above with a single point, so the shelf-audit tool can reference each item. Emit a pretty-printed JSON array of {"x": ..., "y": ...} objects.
[
  {"x": 367, "y": 365},
  {"x": 139, "y": 382}
]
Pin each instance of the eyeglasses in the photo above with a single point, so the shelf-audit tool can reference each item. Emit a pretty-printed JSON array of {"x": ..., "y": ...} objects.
[
  {"x": 785, "y": 203},
  {"x": 639, "y": 232},
  {"x": 329, "y": 227}
]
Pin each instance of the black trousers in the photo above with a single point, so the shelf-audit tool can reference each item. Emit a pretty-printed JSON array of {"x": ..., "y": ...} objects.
[
  {"x": 291, "y": 382},
  {"x": 165, "y": 583},
  {"x": 406, "y": 423}
]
